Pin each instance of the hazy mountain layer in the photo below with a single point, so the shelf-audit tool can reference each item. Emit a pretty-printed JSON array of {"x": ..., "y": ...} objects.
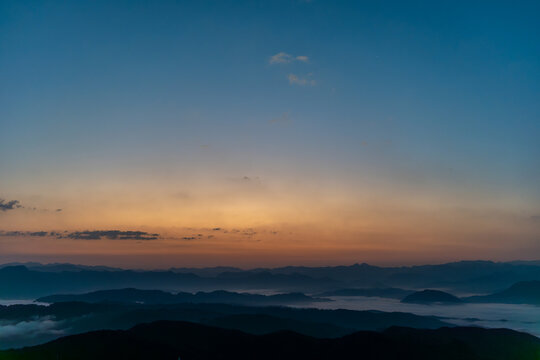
[
  {"x": 525, "y": 292},
  {"x": 161, "y": 297},
  {"x": 33, "y": 324}
]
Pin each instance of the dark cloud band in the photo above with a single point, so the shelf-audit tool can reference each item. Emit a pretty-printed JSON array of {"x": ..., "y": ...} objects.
[{"x": 87, "y": 234}]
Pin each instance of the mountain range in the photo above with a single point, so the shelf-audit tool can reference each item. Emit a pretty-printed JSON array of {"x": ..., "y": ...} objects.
[{"x": 464, "y": 277}]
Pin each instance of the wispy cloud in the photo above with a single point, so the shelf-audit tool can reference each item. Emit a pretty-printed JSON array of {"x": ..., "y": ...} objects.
[
  {"x": 284, "y": 58},
  {"x": 9, "y": 205},
  {"x": 302, "y": 81}
]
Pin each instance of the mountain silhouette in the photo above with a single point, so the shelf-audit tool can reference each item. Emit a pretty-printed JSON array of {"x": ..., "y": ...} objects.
[{"x": 184, "y": 340}]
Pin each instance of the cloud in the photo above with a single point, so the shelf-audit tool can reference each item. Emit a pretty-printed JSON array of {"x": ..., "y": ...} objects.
[
  {"x": 16, "y": 204},
  {"x": 39, "y": 233},
  {"x": 193, "y": 236},
  {"x": 86, "y": 235},
  {"x": 31, "y": 328},
  {"x": 284, "y": 58},
  {"x": 295, "y": 80},
  {"x": 9, "y": 205},
  {"x": 111, "y": 235},
  {"x": 25, "y": 233}
]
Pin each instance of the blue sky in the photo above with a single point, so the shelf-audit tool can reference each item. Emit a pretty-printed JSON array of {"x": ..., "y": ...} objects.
[{"x": 437, "y": 100}]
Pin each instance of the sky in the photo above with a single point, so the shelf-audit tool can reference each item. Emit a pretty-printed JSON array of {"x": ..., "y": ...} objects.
[{"x": 264, "y": 133}]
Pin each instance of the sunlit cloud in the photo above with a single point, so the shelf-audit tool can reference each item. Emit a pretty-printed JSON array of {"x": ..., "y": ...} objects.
[{"x": 284, "y": 58}]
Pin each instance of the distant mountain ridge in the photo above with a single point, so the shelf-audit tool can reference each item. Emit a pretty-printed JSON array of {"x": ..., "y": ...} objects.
[
  {"x": 459, "y": 277},
  {"x": 19, "y": 282},
  {"x": 131, "y": 295}
]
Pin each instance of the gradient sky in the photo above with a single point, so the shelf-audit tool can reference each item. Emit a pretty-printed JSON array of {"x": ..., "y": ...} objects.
[{"x": 308, "y": 132}]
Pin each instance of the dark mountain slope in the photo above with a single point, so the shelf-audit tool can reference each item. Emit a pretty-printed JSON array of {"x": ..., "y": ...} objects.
[
  {"x": 174, "y": 340},
  {"x": 259, "y": 324}
]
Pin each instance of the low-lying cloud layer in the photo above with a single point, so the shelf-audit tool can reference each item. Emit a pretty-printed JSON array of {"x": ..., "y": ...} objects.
[{"x": 29, "y": 329}]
